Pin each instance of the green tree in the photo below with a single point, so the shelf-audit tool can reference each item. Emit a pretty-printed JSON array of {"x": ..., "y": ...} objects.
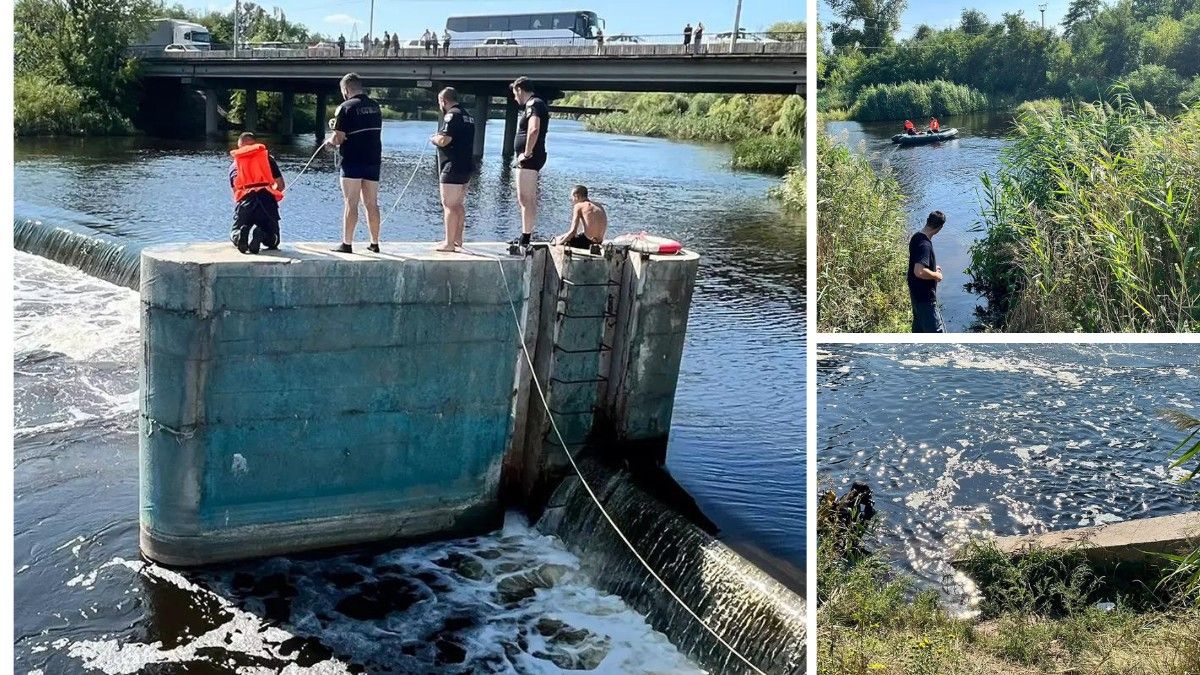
[
  {"x": 1080, "y": 11},
  {"x": 973, "y": 22},
  {"x": 869, "y": 24},
  {"x": 786, "y": 31}
]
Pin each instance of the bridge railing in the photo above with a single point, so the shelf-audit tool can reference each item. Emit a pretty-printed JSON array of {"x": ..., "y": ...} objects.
[{"x": 616, "y": 45}]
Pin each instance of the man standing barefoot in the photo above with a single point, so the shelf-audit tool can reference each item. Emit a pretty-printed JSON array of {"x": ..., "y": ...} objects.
[
  {"x": 455, "y": 141},
  {"x": 531, "y": 146},
  {"x": 924, "y": 275},
  {"x": 356, "y": 128}
]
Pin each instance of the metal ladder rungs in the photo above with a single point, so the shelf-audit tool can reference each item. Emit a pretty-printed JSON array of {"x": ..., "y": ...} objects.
[
  {"x": 599, "y": 378},
  {"x": 602, "y": 348}
]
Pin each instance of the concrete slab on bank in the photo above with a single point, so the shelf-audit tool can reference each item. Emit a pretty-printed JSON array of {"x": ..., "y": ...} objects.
[{"x": 1126, "y": 541}]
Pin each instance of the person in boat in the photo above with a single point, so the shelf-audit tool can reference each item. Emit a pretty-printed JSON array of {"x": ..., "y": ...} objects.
[
  {"x": 257, "y": 185},
  {"x": 910, "y": 128},
  {"x": 924, "y": 275},
  {"x": 455, "y": 141},
  {"x": 589, "y": 221},
  {"x": 934, "y": 125}
]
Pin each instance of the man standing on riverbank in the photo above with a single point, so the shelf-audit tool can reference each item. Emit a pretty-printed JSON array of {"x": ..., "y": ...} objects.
[
  {"x": 531, "y": 142},
  {"x": 455, "y": 141},
  {"x": 257, "y": 185},
  {"x": 924, "y": 275},
  {"x": 356, "y": 134}
]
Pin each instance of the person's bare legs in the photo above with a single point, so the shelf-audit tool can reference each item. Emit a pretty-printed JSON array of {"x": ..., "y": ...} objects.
[
  {"x": 454, "y": 214},
  {"x": 351, "y": 193},
  {"x": 527, "y": 194},
  {"x": 370, "y": 197}
]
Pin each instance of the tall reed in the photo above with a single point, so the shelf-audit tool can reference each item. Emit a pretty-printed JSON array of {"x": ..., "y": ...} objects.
[
  {"x": 1093, "y": 222},
  {"x": 916, "y": 100},
  {"x": 861, "y": 248}
]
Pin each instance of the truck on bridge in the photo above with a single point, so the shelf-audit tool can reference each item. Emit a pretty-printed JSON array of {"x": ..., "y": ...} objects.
[{"x": 162, "y": 33}]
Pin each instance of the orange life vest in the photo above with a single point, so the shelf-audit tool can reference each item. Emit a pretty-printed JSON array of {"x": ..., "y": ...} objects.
[
  {"x": 253, "y": 172},
  {"x": 934, "y": 125}
]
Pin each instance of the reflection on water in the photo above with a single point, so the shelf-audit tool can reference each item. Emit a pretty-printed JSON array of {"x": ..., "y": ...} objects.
[
  {"x": 939, "y": 176},
  {"x": 960, "y": 441},
  {"x": 737, "y": 443}
]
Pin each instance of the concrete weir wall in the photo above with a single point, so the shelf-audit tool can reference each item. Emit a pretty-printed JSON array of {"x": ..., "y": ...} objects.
[{"x": 304, "y": 399}]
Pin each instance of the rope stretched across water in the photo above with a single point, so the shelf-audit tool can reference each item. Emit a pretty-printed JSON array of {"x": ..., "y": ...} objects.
[{"x": 583, "y": 481}]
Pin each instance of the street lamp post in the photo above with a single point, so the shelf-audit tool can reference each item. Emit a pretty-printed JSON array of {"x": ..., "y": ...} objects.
[
  {"x": 237, "y": 10},
  {"x": 737, "y": 22},
  {"x": 371, "y": 24}
]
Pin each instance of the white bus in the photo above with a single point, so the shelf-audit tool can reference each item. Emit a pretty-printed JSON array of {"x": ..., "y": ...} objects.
[{"x": 542, "y": 28}]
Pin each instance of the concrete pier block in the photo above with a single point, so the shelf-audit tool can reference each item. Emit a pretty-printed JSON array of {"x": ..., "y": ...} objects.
[
  {"x": 308, "y": 399},
  {"x": 287, "y": 113},
  {"x": 480, "y": 112},
  {"x": 322, "y": 116},
  {"x": 304, "y": 399},
  {"x": 510, "y": 126},
  {"x": 1130, "y": 541},
  {"x": 211, "y": 114},
  {"x": 250, "y": 119}
]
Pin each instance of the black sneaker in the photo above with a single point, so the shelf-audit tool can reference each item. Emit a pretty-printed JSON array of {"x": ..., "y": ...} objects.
[
  {"x": 239, "y": 240},
  {"x": 373, "y": 248},
  {"x": 255, "y": 239},
  {"x": 344, "y": 248}
]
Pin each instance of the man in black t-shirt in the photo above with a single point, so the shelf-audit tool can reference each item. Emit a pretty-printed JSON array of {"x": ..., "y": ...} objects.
[
  {"x": 924, "y": 275},
  {"x": 531, "y": 147},
  {"x": 455, "y": 141},
  {"x": 356, "y": 133}
]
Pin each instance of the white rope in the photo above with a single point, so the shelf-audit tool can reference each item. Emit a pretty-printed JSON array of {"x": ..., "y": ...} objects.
[
  {"x": 307, "y": 164},
  {"x": 553, "y": 425},
  {"x": 416, "y": 165}
]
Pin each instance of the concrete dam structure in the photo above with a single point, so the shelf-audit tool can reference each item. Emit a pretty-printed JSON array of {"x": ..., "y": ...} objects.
[{"x": 307, "y": 399}]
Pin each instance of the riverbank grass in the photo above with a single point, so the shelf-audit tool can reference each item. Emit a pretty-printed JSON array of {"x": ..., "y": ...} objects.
[
  {"x": 861, "y": 245},
  {"x": 1037, "y": 616}
]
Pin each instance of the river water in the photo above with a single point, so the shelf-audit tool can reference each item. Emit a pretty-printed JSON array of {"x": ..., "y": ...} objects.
[
  {"x": 85, "y": 601},
  {"x": 939, "y": 176},
  {"x": 959, "y": 441}
]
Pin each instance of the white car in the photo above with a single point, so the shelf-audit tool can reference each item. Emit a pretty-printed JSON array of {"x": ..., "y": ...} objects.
[
  {"x": 499, "y": 42},
  {"x": 180, "y": 48},
  {"x": 623, "y": 39}
]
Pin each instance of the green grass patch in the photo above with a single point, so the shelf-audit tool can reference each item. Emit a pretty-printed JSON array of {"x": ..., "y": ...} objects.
[
  {"x": 915, "y": 100},
  {"x": 45, "y": 108}
]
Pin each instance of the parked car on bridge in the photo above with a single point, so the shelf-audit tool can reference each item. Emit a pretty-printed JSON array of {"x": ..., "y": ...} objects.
[
  {"x": 499, "y": 42},
  {"x": 622, "y": 38},
  {"x": 323, "y": 46},
  {"x": 180, "y": 48}
]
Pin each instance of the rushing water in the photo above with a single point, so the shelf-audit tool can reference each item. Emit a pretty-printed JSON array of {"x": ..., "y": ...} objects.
[
  {"x": 939, "y": 177},
  {"x": 84, "y": 600},
  {"x": 959, "y": 441}
]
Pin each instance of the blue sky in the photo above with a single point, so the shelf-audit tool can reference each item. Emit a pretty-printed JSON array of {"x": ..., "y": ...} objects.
[
  {"x": 945, "y": 14},
  {"x": 411, "y": 17}
]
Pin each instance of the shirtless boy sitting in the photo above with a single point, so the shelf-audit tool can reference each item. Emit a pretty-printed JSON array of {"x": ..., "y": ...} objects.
[{"x": 589, "y": 221}]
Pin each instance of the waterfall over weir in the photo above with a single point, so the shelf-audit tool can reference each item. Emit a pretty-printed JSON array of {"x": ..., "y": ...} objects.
[
  {"x": 115, "y": 260},
  {"x": 750, "y": 610}
]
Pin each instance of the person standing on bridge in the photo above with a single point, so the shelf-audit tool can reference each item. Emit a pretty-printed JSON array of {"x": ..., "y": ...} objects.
[
  {"x": 455, "y": 142},
  {"x": 395, "y": 44},
  {"x": 387, "y": 41},
  {"x": 697, "y": 37},
  {"x": 445, "y": 42},
  {"x": 426, "y": 40},
  {"x": 687, "y": 34},
  {"x": 356, "y": 134},
  {"x": 531, "y": 142},
  {"x": 257, "y": 185},
  {"x": 366, "y": 44},
  {"x": 341, "y": 45}
]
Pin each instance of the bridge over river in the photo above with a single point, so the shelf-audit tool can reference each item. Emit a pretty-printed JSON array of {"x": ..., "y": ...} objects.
[{"x": 484, "y": 72}]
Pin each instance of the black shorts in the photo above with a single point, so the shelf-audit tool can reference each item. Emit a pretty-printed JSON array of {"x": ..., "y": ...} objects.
[
  {"x": 361, "y": 171},
  {"x": 580, "y": 241},
  {"x": 534, "y": 163},
  {"x": 452, "y": 174}
]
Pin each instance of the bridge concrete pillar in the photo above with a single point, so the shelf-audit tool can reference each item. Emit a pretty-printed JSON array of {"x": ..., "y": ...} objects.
[
  {"x": 483, "y": 103},
  {"x": 285, "y": 120},
  {"x": 250, "y": 116},
  {"x": 210, "y": 112},
  {"x": 510, "y": 126},
  {"x": 322, "y": 105}
]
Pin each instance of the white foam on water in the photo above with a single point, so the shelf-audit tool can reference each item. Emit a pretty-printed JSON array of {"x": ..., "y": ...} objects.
[
  {"x": 965, "y": 359},
  {"x": 62, "y": 310}
]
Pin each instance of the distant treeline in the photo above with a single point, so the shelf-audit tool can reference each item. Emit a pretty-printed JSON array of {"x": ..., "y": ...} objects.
[
  {"x": 1151, "y": 46},
  {"x": 765, "y": 129}
]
